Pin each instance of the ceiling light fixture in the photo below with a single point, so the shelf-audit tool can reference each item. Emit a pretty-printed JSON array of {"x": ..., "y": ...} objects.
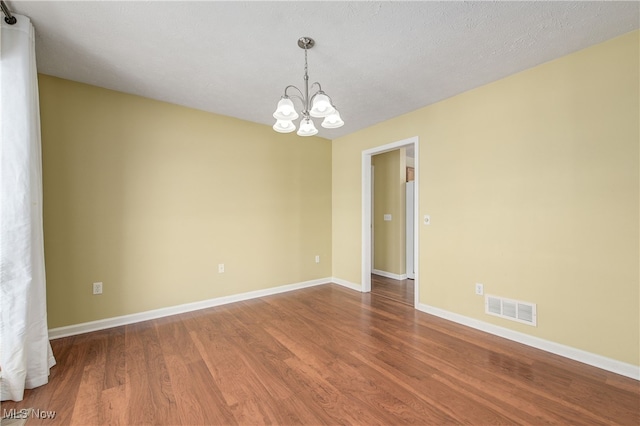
[{"x": 319, "y": 105}]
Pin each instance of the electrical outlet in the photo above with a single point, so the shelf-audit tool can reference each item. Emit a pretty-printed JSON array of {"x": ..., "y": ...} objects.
[
  {"x": 317, "y": 258},
  {"x": 97, "y": 288},
  {"x": 220, "y": 268},
  {"x": 479, "y": 289}
]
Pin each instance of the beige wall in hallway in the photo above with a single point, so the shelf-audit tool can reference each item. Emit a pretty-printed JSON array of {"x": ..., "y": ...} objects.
[{"x": 389, "y": 198}]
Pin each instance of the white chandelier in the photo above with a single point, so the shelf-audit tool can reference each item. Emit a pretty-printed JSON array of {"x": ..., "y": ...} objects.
[{"x": 319, "y": 105}]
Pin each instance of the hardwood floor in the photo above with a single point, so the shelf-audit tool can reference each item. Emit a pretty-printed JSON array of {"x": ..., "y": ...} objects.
[
  {"x": 322, "y": 355},
  {"x": 399, "y": 290}
]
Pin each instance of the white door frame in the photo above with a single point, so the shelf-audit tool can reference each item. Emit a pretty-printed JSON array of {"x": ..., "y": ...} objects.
[
  {"x": 366, "y": 211},
  {"x": 410, "y": 244},
  {"x": 373, "y": 235}
]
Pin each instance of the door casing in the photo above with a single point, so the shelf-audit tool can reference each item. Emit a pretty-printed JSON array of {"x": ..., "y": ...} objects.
[{"x": 367, "y": 213}]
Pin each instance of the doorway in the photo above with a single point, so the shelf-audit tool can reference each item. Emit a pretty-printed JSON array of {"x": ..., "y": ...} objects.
[{"x": 367, "y": 223}]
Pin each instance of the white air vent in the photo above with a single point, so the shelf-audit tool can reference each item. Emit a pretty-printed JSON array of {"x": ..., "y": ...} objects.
[{"x": 514, "y": 310}]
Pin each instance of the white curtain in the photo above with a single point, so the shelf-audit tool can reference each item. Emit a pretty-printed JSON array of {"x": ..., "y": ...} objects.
[{"x": 25, "y": 352}]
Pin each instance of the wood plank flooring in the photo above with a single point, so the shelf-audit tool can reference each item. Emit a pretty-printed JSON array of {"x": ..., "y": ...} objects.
[
  {"x": 399, "y": 290},
  {"x": 321, "y": 355}
]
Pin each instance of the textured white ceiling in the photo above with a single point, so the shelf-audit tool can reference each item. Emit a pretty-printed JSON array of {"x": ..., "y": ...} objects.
[{"x": 376, "y": 60}]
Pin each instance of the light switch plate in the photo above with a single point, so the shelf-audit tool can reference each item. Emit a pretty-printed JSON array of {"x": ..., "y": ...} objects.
[
  {"x": 427, "y": 219},
  {"x": 387, "y": 217}
]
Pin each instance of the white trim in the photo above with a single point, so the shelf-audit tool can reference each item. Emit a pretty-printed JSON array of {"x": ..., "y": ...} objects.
[
  {"x": 86, "y": 327},
  {"x": 416, "y": 222},
  {"x": 347, "y": 284},
  {"x": 366, "y": 224},
  {"x": 410, "y": 231},
  {"x": 615, "y": 366},
  {"x": 389, "y": 274},
  {"x": 366, "y": 211}
]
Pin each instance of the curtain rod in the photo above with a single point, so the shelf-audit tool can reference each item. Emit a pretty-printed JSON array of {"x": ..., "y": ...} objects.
[{"x": 8, "y": 17}]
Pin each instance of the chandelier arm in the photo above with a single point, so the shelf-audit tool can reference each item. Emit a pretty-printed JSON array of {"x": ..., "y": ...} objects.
[
  {"x": 299, "y": 97},
  {"x": 317, "y": 84},
  {"x": 291, "y": 86}
]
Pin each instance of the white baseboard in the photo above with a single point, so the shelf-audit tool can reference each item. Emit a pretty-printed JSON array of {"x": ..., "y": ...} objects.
[
  {"x": 389, "y": 274},
  {"x": 618, "y": 367},
  {"x": 72, "y": 330},
  {"x": 347, "y": 284}
]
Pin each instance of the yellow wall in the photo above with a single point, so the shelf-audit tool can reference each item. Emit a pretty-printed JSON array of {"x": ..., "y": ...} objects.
[
  {"x": 150, "y": 197},
  {"x": 389, "y": 198},
  {"x": 532, "y": 184}
]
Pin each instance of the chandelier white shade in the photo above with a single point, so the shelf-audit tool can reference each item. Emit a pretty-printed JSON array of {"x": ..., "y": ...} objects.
[
  {"x": 333, "y": 121},
  {"x": 318, "y": 105},
  {"x": 321, "y": 106},
  {"x": 307, "y": 128},
  {"x": 285, "y": 110},
  {"x": 284, "y": 126}
]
